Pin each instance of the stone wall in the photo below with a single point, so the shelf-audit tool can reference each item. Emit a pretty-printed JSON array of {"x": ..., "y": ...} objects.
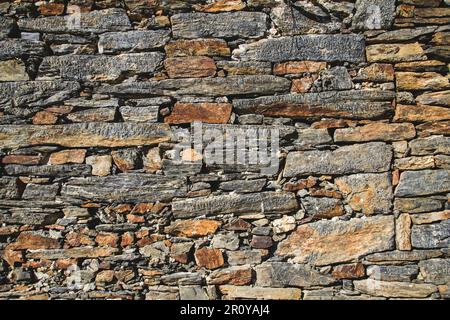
[{"x": 98, "y": 200}]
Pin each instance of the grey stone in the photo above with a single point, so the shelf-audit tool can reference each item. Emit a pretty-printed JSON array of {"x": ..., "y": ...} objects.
[
  {"x": 401, "y": 35},
  {"x": 369, "y": 157},
  {"x": 435, "y": 271},
  {"x": 243, "y": 186},
  {"x": 323, "y": 207},
  {"x": 430, "y": 145},
  {"x": 93, "y": 115},
  {"x": 330, "y": 48},
  {"x": 229, "y": 241},
  {"x": 17, "y": 48},
  {"x": 223, "y": 25},
  {"x": 336, "y": 78},
  {"x": 97, "y": 21},
  {"x": 283, "y": 274},
  {"x": 374, "y": 14},
  {"x": 98, "y": 68},
  {"x": 393, "y": 273},
  {"x": 41, "y": 192},
  {"x": 7, "y": 25},
  {"x": 354, "y": 104},
  {"x": 243, "y": 257},
  {"x": 417, "y": 205},
  {"x": 9, "y": 188},
  {"x": 431, "y": 236},
  {"x": 308, "y": 138},
  {"x": 398, "y": 256},
  {"x": 182, "y": 278},
  {"x": 121, "y": 227},
  {"x": 215, "y": 87},
  {"x": 31, "y": 216},
  {"x": 394, "y": 289},
  {"x": 264, "y": 202},
  {"x": 139, "y": 114},
  {"x": 422, "y": 183},
  {"x": 137, "y": 40},
  {"x": 193, "y": 293},
  {"x": 245, "y": 67},
  {"x": 65, "y": 170}
]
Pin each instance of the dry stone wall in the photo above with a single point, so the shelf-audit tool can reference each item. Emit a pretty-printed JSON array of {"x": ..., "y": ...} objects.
[{"x": 103, "y": 195}]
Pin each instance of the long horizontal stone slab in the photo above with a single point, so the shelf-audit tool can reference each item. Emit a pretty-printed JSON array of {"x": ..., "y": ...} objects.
[
  {"x": 354, "y": 104},
  {"x": 98, "y": 68},
  {"x": 137, "y": 40},
  {"x": 36, "y": 93},
  {"x": 342, "y": 47},
  {"x": 94, "y": 134},
  {"x": 345, "y": 240},
  {"x": 359, "y": 158},
  {"x": 422, "y": 183},
  {"x": 98, "y": 21},
  {"x": 66, "y": 170},
  {"x": 390, "y": 289},
  {"x": 264, "y": 202},
  {"x": 223, "y": 25},
  {"x": 124, "y": 188},
  {"x": 82, "y": 252},
  {"x": 16, "y": 48},
  {"x": 233, "y": 86},
  {"x": 431, "y": 236}
]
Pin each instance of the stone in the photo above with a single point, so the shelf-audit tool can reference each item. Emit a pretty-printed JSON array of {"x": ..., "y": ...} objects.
[
  {"x": 101, "y": 165},
  {"x": 107, "y": 239},
  {"x": 93, "y": 115},
  {"x": 85, "y": 135},
  {"x": 284, "y": 224},
  {"x": 98, "y": 68},
  {"x": 223, "y": 25},
  {"x": 354, "y": 104},
  {"x": 346, "y": 240},
  {"x": 209, "y": 258},
  {"x": 198, "y": 47},
  {"x": 394, "y": 289},
  {"x": 243, "y": 186},
  {"x": 124, "y": 188},
  {"x": 422, "y": 183},
  {"x": 190, "y": 67},
  {"x": 393, "y": 273},
  {"x": 152, "y": 161},
  {"x": 84, "y": 252},
  {"x": 435, "y": 270},
  {"x": 431, "y": 236},
  {"x": 214, "y": 87},
  {"x": 402, "y": 256},
  {"x": 44, "y": 117},
  {"x": 22, "y": 159},
  {"x": 244, "y": 257},
  {"x": 31, "y": 216},
  {"x": 193, "y": 293},
  {"x": 327, "y": 48},
  {"x": 64, "y": 170},
  {"x": 67, "y": 156},
  {"x": 137, "y": 40},
  {"x": 298, "y": 67},
  {"x": 283, "y": 274},
  {"x": 236, "y": 276},
  {"x": 376, "y": 132},
  {"x": 139, "y": 114},
  {"x": 202, "y": 112},
  {"x": 97, "y": 21},
  {"x": 336, "y": 78},
  {"x": 193, "y": 228},
  {"x": 421, "y": 81},
  {"x": 415, "y": 163},
  {"x": 30, "y": 240},
  {"x": 441, "y": 98},
  {"x": 221, "y": 5},
  {"x": 436, "y": 127},
  {"x": 323, "y": 208},
  {"x": 370, "y": 15},
  {"x": 421, "y": 113},
  {"x": 430, "y": 145},
  {"x": 368, "y": 193},
  {"x": 245, "y": 67},
  {"x": 238, "y": 204},
  {"x": 377, "y": 72},
  {"x": 261, "y": 242},
  {"x": 51, "y": 9},
  {"x": 16, "y": 48},
  {"x": 126, "y": 159},
  {"x": 417, "y": 205},
  {"x": 395, "y": 52},
  {"x": 42, "y": 192},
  {"x": 349, "y": 271},
  {"x": 257, "y": 293},
  {"x": 13, "y": 70},
  {"x": 430, "y": 217},
  {"x": 302, "y": 85},
  {"x": 403, "y": 232},
  {"x": 304, "y": 163},
  {"x": 228, "y": 241}
]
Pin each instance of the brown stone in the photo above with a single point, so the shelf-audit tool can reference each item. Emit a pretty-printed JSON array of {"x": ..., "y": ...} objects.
[
  {"x": 441, "y": 98},
  {"x": 83, "y": 252},
  {"x": 142, "y": 208},
  {"x": 198, "y": 47},
  {"x": 209, "y": 258},
  {"x": 421, "y": 81},
  {"x": 403, "y": 232},
  {"x": 327, "y": 242},
  {"x": 428, "y": 65},
  {"x": 152, "y": 160},
  {"x": 300, "y": 185},
  {"x": 258, "y": 293},
  {"x": 101, "y": 165},
  {"x": 13, "y": 70},
  {"x": 441, "y": 38},
  {"x": 105, "y": 276},
  {"x": 394, "y": 289},
  {"x": 45, "y": 117},
  {"x": 349, "y": 271},
  {"x": 377, "y": 72},
  {"x": 261, "y": 242},
  {"x": 415, "y": 163},
  {"x": 296, "y": 67},
  {"x": 238, "y": 225},
  {"x": 302, "y": 85},
  {"x": 221, "y": 5},
  {"x": 127, "y": 239},
  {"x": 395, "y": 52},
  {"x": 203, "y": 112},
  {"x": 237, "y": 276},
  {"x": 51, "y": 9},
  {"x": 190, "y": 67},
  {"x": 376, "y": 131},
  {"x": 421, "y": 113},
  {"x": 430, "y": 217},
  {"x": 193, "y": 228},
  {"x": 67, "y": 156},
  {"x": 21, "y": 159},
  {"x": 438, "y": 127},
  {"x": 8, "y": 230},
  {"x": 33, "y": 241}
]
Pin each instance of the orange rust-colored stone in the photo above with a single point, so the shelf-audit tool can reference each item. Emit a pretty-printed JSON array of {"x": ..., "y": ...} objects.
[
  {"x": 296, "y": 67},
  {"x": 67, "y": 156},
  {"x": 221, "y": 5},
  {"x": 107, "y": 239},
  {"x": 193, "y": 228},
  {"x": 45, "y": 117},
  {"x": 349, "y": 271},
  {"x": 209, "y": 258},
  {"x": 51, "y": 9},
  {"x": 203, "y": 112},
  {"x": 198, "y": 47},
  {"x": 21, "y": 159},
  {"x": 190, "y": 67},
  {"x": 33, "y": 241}
]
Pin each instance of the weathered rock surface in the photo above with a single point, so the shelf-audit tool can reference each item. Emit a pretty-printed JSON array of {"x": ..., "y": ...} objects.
[
  {"x": 141, "y": 40},
  {"x": 428, "y": 236},
  {"x": 425, "y": 182},
  {"x": 378, "y": 14},
  {"x": 394, "y": 289},
  {"x": 376, "y": 132}
]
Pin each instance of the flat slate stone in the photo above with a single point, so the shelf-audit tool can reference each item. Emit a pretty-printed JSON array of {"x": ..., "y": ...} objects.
[
  {"x": 222, "y": 25},
  {"x": 16, "y": 48},
  {"x": 9, "y": 188},
  {"x": 436, "y": 270},
  {"x": 374, "y": 14},
  {"x": 264, "y": 202},
  {"x": 431, "y": 236},
  {"x": 137, "y": 40},
  {"x": 354, "y": 104},
  {"x": 365, "y": 158},
  {"x": 94, "y": 134},
  {"x": 66, "y": 170},
  {"x": 125, "y": 188},
  {"x": 98, "y": 21},
  {"x": 330, "y": 48},
  {"x": 422, "y": 183}
]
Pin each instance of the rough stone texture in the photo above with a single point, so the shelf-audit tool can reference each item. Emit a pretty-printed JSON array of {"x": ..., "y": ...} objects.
[{"x": 203, "y": 150}]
